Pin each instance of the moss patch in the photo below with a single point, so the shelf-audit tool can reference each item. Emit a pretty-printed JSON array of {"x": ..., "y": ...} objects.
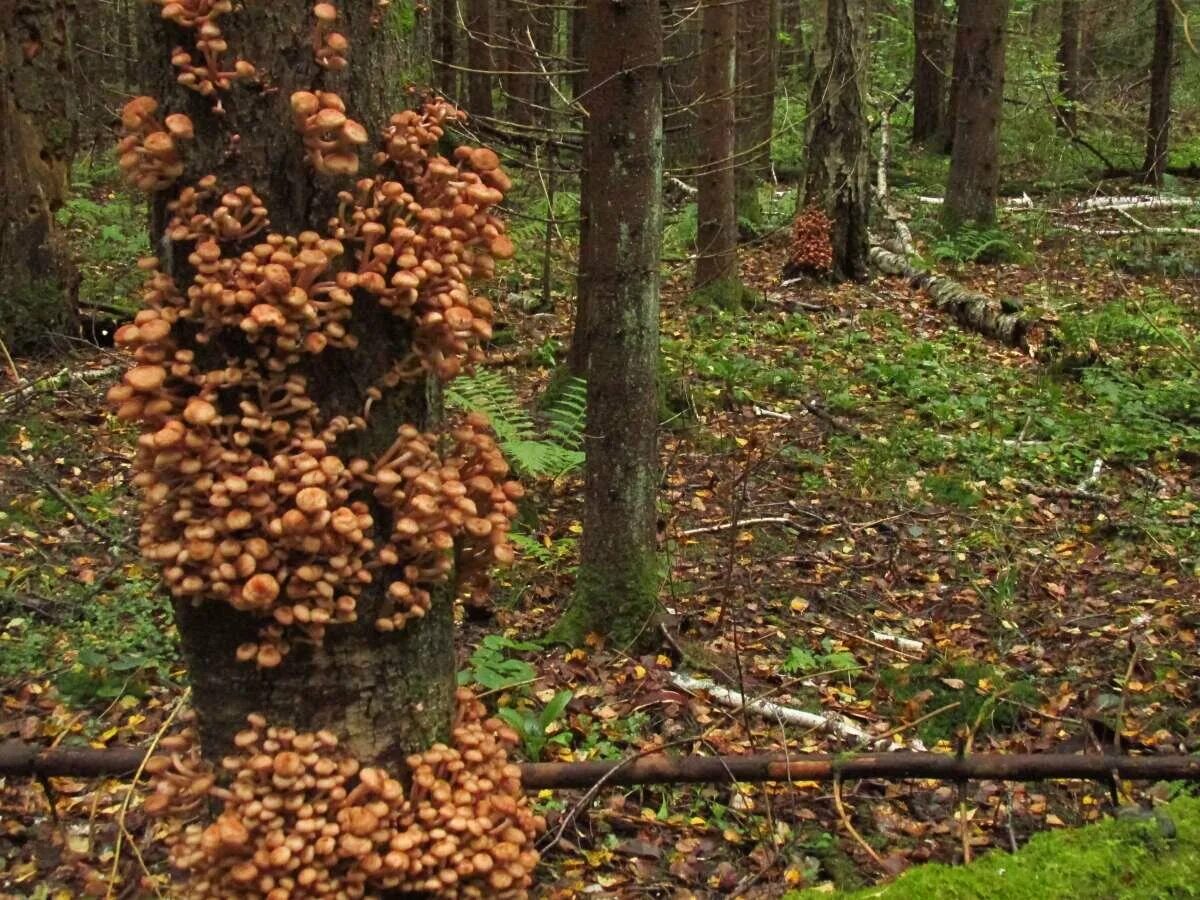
[
  {"x": 978, "y": 688},
  {"x": 1141, "y": 856}
]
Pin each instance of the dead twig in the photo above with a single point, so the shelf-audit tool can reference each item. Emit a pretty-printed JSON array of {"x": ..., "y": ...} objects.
[{"x": 849, "y": 826}]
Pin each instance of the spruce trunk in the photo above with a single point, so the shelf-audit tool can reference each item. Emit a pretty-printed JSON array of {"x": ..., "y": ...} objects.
[
  {"x": 716, "y": 229},
  {"x": 384, "y": 694},
  {"x": 38, "y": 281},
  {"x": 1158, "y": 121},
  {"x": 929, "y": 66},
  {"x": 836, "y": 175},
  {"x": 757, "y": 59},
  {"x": 975, "y": 157},
  {"x": 617, "y": 586}
]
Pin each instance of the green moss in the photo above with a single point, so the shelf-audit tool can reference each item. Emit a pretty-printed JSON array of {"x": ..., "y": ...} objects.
[
  {"x": 726, "y": 293},
  {"x": 1141, "y": 856},
  {"x": 977, "y": 697},
  {"x": 619, "y": 601}
]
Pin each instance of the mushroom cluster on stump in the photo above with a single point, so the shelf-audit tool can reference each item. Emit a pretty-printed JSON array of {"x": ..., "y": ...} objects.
[
  {"x": 301, "y": 819},
  {"x": 251, "y": 498},
  {"x": 246, "y": 497},
  {"x": 148, "y": 152},
  {"x": 208, "y": 76},
  {"x": 812, "y": 249}
]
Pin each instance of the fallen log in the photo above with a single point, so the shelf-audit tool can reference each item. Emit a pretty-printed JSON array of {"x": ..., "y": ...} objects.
[
  {"x": 986, "y": 315},
  {"x": 1142, "y": 201},
  {"x": 18, "y": 759}
]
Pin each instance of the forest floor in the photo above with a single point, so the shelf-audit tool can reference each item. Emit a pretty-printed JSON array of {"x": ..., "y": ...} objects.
[{"x": 961, "y": 547}]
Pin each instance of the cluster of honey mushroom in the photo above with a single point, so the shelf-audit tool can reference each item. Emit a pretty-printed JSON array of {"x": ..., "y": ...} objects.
[
  {"x": 148, "y": 152},
  {"x": 246, "y": 498},
  {"x": 207, "y": 76},
  {"x": 812, "y": 249},
  {"x": 300, "y": 818}
]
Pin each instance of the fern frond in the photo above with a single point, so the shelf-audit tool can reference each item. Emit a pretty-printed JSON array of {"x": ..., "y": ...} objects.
[
  {"x": 566, "y": 416},
  {"x": 487, "y": 392},
  {"x": 549, "y": 455}
]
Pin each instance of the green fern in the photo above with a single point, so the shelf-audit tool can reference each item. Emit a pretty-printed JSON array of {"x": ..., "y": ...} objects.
[
  {"x": 968, "y": 244},
  {"x": 566, "y": 416},
  {"x": 551, "y": 453}
]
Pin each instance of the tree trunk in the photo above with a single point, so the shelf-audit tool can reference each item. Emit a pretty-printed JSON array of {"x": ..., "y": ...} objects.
[
  {"x": 792, "y": 50},
  {"x": 579, "y": 353},
  {"x": 529, "y": 90},
  {"x": 1158, "y": 122},
  {"x": 757, "y": 60},
  {"x": 1066, "y": 110},
  {"x": 929, "y": 70},
  {"x": 837, "y": 145},
  {"x": 958, "y": 67},
  {"x": 38, "y": 281},
  {"x": 716, "y": 225},
  {"x": 577, "y": 23},
  {"x": 681, "y": 87},
  {"x": 975, "y": 157},
  {"x": 384, "y": 694},
  {"x": 479, "y": 58},
  {"x": 617, "y": 584},
  {"x": 445, "y": 28}
]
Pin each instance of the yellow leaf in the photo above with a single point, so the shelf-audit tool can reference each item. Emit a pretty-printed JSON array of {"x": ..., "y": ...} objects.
[
  {"x": 1054, "y": 820},
  {"x": 799, "y": 604}
]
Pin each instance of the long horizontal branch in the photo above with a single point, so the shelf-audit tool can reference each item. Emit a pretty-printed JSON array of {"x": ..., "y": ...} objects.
[{"x": 18, "y": 759}]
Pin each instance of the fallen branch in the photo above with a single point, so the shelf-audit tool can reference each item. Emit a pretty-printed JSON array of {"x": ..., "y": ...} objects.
[
  {"x": 79, "y": 515},
  {"x": 1155, "y": 229},
  {"x": 1145, "y": 202},
  {"x": 743, "y": 523},
  {"x": 902, "y": 642},
  {"x": 834, "y": 723},
  {"x": 817, "y": 409},
  {"x": 988, "y": 316},
  {"x": 1066, "y": 493},
  {"x": 1022, "y": 202},
  {"x": 59, "y": 380},
  {"x": 18, "y": 759},
  {"x": 765, "y": 413}
]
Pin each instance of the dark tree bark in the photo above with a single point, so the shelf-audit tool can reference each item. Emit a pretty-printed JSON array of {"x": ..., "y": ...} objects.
[
  {"x": 837, "y": 148},
  {"x": 617, "y": 584},
  {"x": 792, "y": 51},
  {"x": 578, "y": 44},
  {"x": 445, "y": 28},
  {"x": 579, "y": 353},
  {"x": 386, "y": 694},
  {"x": 38, "y": 282},
  {"x": 958, "y": 67},
  {"x": 681, "y": 87},
  {"x": 1158, "y": 121},
  {"x": 479, "y": 57},
  {"x": 1066, "y": 111},
  {"x": 929, "y": 70},
  {"x": 975, "y": 157},
  {"x": 528, "y": 88},
  {"x": 757, "y": 62},
  {"x": 716, "y": 227}
]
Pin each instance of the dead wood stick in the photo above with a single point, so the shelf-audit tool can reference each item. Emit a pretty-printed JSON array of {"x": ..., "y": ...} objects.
[
  {"x": 978, "y": 312},
  {"x": 1065, "y": 493},
  {"x": 832, "y": 722},
  {"x": 18, "y": 759},
  {"x": 817, "y": 409},
  {"x": 80, "y": 516},
  {"x": 741, "y": 523}
]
